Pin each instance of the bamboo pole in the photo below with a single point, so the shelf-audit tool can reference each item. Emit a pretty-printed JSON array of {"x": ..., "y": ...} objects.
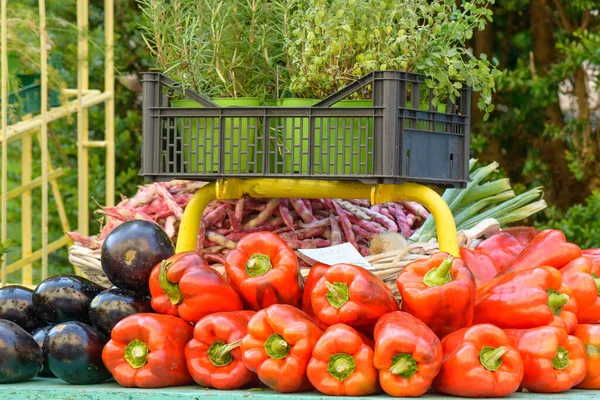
[
  {"x": 26, "y": 206},
  {"x": 36, "y": 255},
  {"x": 21, "y": 128},
  {"x": 82, "y": 118},
  {"x": 109, "y": 113},
  {"x": 37, "y": 182},
  {"x": 58, "y": 200},
  {"x": 44, "y": 135}
]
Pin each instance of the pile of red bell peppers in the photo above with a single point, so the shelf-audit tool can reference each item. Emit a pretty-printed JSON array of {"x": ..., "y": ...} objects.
[{"x": 517, "y": 312}]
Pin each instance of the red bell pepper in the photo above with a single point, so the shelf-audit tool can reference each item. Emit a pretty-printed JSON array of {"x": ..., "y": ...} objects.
[
  {"x": 185, "y": 285},
  {"x": 213, "y": 355},
  {"x": 526, "y": 295},
  {"x": 582, "y": 275},
  {"x": 351, "y": 295},
  {"x": 148, "y": 351},
  {"x": 504, "y": 246},
  {"x": 408, "y": 354},
  {"x": 592, "y": 254},
  {"x": 524, "y": 299},
  {"x": 342, "y": 363},
  {"x": 549, "y": 248},
  {"x": 439, "y": 291},
  {"x": 553, "y": 360},
  {"x": 590, "y": 336},
  {"x": 264, "y": 271},
  {"x": 279, "y": 345},
  {"x": 316, "y": 272},
  {"x": 479, "y": 362},
  {"x": 480, "y": 264}
]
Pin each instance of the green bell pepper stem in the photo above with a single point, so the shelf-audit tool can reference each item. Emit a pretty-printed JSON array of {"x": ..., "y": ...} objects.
[
  {"x": 338, "y": 294},
  {"x": 171, "y": 289},
  {"x": 491, "y": 357},
  {"x": 276, "y": 347},
  {"x": 404, "y": 365},
  {"x": 136, "y": 353},
  {"x": 219, "y": 353},
  {"x": 441, "y": 275},
  {"x": 561, "y": 359},
  {"x": 556, "y": 301},
  {"x": 341, "y": 366},
  {"x": 258, "y": 265}
]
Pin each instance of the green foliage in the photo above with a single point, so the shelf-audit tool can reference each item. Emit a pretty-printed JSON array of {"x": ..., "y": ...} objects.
[
  {"x": 329, "y": 49},
  {"x": 580, "y": 223},
  {"x": 539, "y": 97},
  {"x": 5, "y": 248}
]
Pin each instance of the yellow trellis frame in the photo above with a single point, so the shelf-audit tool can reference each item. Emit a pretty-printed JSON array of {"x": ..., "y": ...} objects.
[{"x": 82, "y": 99}]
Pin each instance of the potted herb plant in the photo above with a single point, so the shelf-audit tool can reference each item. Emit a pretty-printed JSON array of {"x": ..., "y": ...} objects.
[
  {"x": 224, "y": 49},
  {"x": 334, "y": 42}
]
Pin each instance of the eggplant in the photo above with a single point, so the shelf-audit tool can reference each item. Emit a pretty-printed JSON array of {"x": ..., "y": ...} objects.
[
  {"x": 39, "y": 335},
  {"x": 112, "y": 305},
  {"x": 20, "y": 356},
  {"x": 130, "y": 252},
  {"x": 75, "y": 353},
  {"x": 16, "y": 305},
  {"x": 63, "y": 298}
]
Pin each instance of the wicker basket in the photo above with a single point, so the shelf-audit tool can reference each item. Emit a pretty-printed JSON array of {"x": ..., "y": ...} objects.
[
  {"x": 386, "y": 265},
  {"x": 88, "y": 262}
]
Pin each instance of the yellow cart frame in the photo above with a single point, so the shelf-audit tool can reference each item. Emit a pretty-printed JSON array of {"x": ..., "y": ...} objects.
[{"x": 228, "y": 189}]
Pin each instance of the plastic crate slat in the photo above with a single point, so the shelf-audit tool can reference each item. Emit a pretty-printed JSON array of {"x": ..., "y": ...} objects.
[{"x": 392, "y": 141}]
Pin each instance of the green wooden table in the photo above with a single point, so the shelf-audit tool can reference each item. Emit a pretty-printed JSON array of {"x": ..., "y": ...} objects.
[{"x": 53, "y": 389}]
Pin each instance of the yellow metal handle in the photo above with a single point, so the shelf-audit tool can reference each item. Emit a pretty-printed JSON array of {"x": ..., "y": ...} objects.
[{"x": 314, "y": 189}]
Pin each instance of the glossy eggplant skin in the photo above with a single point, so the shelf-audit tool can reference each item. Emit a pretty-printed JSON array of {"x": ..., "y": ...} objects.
[
  {"x": 39, "y": 335},
  {"x": 112, "y": 305},
  {"x": 63, "y": 298},
  {"x": 130, "y": 252},
  {"x": 16, "y": 305},
  {"x": 75, "y": 353},
  {"x": 20, "y": 356}
]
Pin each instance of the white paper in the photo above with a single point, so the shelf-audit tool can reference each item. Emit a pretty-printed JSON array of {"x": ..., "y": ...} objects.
[{"x": 343, "y": 253}]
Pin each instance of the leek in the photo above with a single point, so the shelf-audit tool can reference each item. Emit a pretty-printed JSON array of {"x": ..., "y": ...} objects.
[
  {"x": 486, "y": 190},
  {"x": 480, "y": 200}
]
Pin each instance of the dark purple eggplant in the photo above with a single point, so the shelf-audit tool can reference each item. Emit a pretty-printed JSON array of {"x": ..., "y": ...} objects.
[
  {"x": 75, "y": 353},
  {"x": 40, "y": 335},
  {"x": 130, "y": 252},
  {"x": 20, "y": 356},
  {"x": 112, "y": 305},
  {"x": 16, "y": 305},
  {"x": 65, "y": 298}
]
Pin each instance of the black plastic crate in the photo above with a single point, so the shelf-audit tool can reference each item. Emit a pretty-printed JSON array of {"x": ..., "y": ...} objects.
[{"x": 401, "y": 137}]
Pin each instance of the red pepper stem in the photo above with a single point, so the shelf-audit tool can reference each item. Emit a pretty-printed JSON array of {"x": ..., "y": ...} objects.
[
  {"x": 258, "y": 265},
  {"x": 338, "y": 294},
  {"x": 491, "y": 358},
  {"x": 219, "y": 353},
  {"x": 404, "y": 365},
  {"x": 277, "y": 347},
  {"x": 136, "y": 354},
  {"x": 441, "y": 275},
  {"x": 561, "y": 358},
  {"x": 556, "y": 300},
  {"x": 597, "y": 280},
  {"x": 171, "y": 289},
  {"x": 341, "y": 366}
]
